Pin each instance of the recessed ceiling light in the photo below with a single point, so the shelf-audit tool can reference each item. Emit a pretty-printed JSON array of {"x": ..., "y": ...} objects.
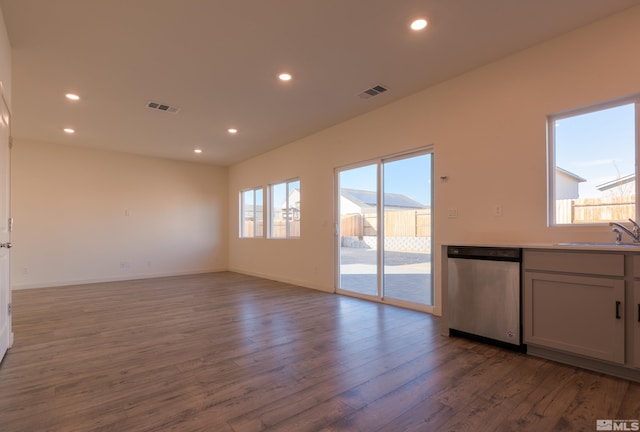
[
  {"x": 69, "y": 130},
  {"x": 198, "y": 151},
  {"x": 73, "y": 97},
  {"x": 418, "y": 24},
  {"x": 232, "y": 131},
  {"x": 285, "y": 77}
]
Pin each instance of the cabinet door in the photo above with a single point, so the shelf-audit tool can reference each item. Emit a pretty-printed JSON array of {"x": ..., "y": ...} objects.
[
  {"x": 635, "y": 326},
  {"x": 576, "y": 314}
]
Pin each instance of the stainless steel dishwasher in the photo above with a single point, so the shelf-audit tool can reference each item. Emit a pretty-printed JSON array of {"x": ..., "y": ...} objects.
[{"x": 484, "y": 289}]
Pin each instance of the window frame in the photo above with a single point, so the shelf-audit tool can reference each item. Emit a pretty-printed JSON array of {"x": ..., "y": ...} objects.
[
  {"x": 241, "y": 223},
  {"x": 551, "y": 153},
  {"x": 288, "y": 209}
]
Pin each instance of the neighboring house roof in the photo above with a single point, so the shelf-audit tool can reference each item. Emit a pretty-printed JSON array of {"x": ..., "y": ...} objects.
[
  {"x": 617, "y": 182},
  {"x": 368, "y": 199},
  {"x": 570, "y": 174},
  {"x": 292, "y": 203}
]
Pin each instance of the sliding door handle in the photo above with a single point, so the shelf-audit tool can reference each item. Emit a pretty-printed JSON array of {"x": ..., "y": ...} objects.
[{"x": 618, "y": 310}]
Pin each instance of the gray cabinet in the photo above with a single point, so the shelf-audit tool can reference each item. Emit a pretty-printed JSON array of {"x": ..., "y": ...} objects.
[
  {"x": 574, "y": 302},
  {"x": 577, "y": 314},
  {"x": 635, "y": 325},
  {"x": 634, "y": 312}
]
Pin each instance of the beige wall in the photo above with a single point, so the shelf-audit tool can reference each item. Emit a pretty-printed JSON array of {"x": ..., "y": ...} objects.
[
  {"x": 81, "y": 213},
  {"x": 488, "y": 130}
]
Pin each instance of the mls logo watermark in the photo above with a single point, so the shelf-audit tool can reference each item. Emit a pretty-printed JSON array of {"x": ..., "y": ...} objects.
[{"x": 617, "y": 425}]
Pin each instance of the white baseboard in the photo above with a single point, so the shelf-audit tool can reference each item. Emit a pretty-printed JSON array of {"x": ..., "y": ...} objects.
[
  {"x": 53, "y": 284},
  {"x": 283, "y": 280}
]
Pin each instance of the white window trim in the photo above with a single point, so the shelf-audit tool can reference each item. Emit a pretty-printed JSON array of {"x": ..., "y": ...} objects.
[
  {"x": 551, "y": 153},
  {"x": 286, "y": 182},
  {"x": 241, "y": 232}
]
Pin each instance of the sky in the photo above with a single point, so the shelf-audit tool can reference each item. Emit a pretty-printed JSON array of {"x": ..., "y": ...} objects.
[{"x": 410, "y": 177}]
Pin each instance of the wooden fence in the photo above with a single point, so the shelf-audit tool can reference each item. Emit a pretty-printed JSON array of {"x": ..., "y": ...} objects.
[
  {"x": 279, "y": 228},
  {"x": 594, "y": 210},
  {"x": 401, "y": 223},
  {"x": 248, "y": 228}
]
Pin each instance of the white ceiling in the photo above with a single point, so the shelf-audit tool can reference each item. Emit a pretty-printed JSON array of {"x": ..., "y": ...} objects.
[{"x": 218, "y": 61}]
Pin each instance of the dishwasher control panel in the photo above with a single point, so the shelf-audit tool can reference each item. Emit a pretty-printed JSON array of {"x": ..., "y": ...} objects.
[{"x": 485, "y": 252}]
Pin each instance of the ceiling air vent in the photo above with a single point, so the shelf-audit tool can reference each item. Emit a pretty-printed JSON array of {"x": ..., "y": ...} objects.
[
  {"x": 162, "y": 107},
  {"x": 373, "y": 91}
]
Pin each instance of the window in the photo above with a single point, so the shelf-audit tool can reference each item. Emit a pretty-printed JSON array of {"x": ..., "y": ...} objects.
[
  {"x": 251, "y": 213},
  {"x": 284, "y": 205},
  {"x": 592, "y": 175}
]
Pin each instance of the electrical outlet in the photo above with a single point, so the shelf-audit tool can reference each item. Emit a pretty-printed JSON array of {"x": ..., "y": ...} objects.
[
  {"x": 452, "y": 212},
  {"x": 497, "y": 210}
]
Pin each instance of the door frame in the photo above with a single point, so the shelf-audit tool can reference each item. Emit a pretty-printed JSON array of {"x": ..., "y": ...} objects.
[
  {"x": 380, "y": 298},
  {"x": 5, "y": 284}
]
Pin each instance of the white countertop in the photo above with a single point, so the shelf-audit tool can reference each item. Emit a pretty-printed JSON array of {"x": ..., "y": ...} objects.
[{"x": 585, "y": 246}]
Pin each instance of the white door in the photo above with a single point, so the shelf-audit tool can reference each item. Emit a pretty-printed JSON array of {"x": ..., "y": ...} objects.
[{"x": 5, "y": 235}]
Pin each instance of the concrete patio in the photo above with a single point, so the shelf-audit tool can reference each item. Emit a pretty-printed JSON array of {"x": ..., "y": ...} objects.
[{"x": 407, "y": 275}]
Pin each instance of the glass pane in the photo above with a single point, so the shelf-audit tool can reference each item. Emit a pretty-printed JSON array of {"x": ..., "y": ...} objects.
[
  {"x": 595, "y": 166},
  {"x": 258, "y": 214},
  {"x": 407, "y": 229},
  {"x": 293, "y": 217},
  {"x": 359, "y": 230},
  {"x": 247, "y": 209},
  {"x": 278, "y": 210}
]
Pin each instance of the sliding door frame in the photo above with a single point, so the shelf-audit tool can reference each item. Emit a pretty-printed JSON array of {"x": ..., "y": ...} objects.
[{"x": 379, "y": 162}]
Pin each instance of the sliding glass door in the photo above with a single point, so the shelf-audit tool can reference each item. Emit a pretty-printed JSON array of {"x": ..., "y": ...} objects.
[
  {"x": 358, "y": 254},
  {"x": 407, "y": 229},
  {"x": 385, "y": 230}
]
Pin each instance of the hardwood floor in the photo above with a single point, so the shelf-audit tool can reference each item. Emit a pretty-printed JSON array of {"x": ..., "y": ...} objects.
[{"x": 228, "y": 352}]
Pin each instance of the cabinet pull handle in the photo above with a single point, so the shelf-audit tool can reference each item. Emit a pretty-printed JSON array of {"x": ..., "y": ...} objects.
[
  {"x": 618, "y": 310},
  {"x": 638, "y": 312}
]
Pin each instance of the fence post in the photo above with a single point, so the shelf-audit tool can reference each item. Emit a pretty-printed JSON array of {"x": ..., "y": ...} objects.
[{"x": 573, "y": 211}]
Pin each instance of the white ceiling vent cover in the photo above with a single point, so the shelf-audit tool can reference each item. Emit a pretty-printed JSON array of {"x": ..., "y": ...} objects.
[
  {"x": 163, "y": 107},
  {"x": 373, "y": 91}
]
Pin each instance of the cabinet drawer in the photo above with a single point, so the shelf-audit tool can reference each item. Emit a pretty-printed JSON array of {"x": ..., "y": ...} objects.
[{"x": 598, "y": 264}]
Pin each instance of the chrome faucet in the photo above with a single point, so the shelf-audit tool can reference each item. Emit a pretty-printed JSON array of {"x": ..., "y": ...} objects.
[
  {"x": 618, "y": 235},
  {"x": 634, "y": 232}
]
